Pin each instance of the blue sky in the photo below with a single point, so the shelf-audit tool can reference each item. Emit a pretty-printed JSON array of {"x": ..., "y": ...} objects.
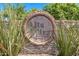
[
  {"x": 1, "y": 6},
  {"x": 35, "y": 5},
  {"x": 28, "y": 6}
]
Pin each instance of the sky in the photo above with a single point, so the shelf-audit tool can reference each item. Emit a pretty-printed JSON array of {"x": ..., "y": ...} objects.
[
  {"x": 28, "y": 6},
  {"x": 35, "y": 5}
]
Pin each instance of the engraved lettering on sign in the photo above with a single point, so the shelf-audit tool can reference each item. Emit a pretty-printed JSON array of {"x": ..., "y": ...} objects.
[{"x": 41, "y": 27}]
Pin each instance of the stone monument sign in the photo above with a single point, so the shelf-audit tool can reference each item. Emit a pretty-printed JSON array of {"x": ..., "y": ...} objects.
[{"x": 39, "y": 29}]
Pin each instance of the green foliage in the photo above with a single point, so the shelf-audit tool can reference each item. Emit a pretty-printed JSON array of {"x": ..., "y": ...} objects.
[
  {"x": 16, "y": 10},
  {"x": 68, "y": 39},
  {"x": 10, "y": 37},
  {"x": 65, "y": 11},
  {"x": 20, "y": 12},
  {"x": 32, "y": 10}
]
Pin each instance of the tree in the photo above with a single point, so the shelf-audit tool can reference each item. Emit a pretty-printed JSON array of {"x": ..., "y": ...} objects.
[
  {"x": 63, "y": 11},
  {"x": 20, "y": 12},
  {"x": 32, "y": 10},
  {"x": 14, "y": 11}
]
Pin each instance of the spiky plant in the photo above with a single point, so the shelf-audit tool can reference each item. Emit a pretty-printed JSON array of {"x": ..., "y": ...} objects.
[
  {"x": 68, "y": 39},
  {"x": 11, "y": 38}
]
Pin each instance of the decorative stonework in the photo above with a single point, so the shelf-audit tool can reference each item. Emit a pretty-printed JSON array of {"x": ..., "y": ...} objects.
[{"x": 40, "y": 29}]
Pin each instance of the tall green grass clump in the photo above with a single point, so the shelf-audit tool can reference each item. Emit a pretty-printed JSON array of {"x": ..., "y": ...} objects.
[
  {"x": 11, "y": 38},
  {"x": 68, "y": 39}
]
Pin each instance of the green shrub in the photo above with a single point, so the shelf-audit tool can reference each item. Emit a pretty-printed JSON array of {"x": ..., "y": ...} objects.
[
  {"x": 68, "y": 39},
  {"x": 10, "y": 37}
]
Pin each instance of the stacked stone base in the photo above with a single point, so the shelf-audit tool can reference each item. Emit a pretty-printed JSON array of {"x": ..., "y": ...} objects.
[{"x": 39, "y": 50}]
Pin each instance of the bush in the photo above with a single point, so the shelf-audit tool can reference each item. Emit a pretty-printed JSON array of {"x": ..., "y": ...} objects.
[
  {"x": 68, "y": 39},
  {"x": 66, "y": 11}
]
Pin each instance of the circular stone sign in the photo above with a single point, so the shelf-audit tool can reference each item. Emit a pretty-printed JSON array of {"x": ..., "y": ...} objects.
[{"x": 39, "y": 27}]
